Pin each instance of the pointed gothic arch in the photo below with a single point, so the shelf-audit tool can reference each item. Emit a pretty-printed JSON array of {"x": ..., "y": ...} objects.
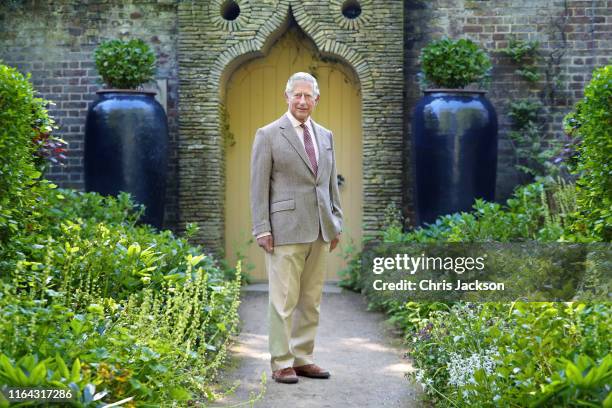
[
  {"x": 253, "y": 97},
  {"x": 210, "y": 49}
]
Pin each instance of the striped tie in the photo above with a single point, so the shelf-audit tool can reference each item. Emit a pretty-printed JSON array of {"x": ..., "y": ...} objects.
[{"x": 310, "y": 151}]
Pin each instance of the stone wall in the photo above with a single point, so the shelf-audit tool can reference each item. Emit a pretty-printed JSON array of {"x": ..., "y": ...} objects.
[
  {"x": 211, "y": 47},
  {"x": 574, "y": 36},
  {"x": 54, "y": 42}
]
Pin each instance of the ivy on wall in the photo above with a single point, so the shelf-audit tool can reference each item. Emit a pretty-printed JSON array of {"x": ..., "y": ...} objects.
[{"x": 535, "y": 154}]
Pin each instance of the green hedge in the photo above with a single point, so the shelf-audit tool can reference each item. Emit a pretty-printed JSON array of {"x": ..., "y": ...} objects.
[
  {"x": 21, "y": 113},
  {"x": 592, "y": 121}
]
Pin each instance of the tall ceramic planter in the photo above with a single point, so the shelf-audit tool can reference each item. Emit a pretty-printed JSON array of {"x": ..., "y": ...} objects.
[
  {"x": 454, "y": 136},
  {"x": 126, "y": 149}
]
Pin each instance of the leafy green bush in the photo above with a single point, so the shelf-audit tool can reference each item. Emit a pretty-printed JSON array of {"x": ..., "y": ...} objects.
[
  {"x": 146, "y": 314},
  {"x": 503, "y": 354},
  {"x": 543, "y": 211},
  {"x": 515, "y": 354},
  {"x": 20, "y": 114},
  {"x": 125, "y": 64},
  {"x": 450, "y": 63},
  {"x": 592, "y": 120},
  {"x": 540, "y": 211}
]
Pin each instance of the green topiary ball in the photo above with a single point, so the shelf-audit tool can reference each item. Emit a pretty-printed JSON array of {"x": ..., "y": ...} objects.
[
  {"x": 450, "y": 63},
  {"x": 125, "y": 64}
]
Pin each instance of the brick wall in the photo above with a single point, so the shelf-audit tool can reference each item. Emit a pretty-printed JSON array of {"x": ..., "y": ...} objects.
[
  {"x": 574, "y": 36},
  {"x": 54, "y": 42}
]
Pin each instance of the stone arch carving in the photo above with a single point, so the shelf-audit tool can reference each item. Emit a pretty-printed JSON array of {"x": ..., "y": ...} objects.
[{"x": 225, "y": 64}]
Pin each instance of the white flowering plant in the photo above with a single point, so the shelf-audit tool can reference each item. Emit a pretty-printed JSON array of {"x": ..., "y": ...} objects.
[{"x": 514, "y": 354}]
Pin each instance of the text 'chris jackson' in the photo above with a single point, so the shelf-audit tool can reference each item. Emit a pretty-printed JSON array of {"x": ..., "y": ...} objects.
[
  {"x": 405, "y": 263},
  {"x": 433, "y": 286}
]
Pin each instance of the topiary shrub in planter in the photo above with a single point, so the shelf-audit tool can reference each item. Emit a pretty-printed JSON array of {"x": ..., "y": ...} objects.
[
  {"x": 454, "y": 131},
  {"x": 126, "y": 135},
  {"x": 454, "y": 64},
  {"x": 125, "y": 65}
]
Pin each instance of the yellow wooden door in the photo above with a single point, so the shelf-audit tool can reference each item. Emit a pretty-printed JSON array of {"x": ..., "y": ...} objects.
[{"x": 255, "y": 98}]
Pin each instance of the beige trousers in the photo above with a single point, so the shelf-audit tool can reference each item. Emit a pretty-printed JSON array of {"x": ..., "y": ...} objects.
[{"x": 296, "y": 274}]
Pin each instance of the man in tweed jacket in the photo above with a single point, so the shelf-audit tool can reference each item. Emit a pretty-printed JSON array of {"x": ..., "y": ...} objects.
[{"x": 297, "y": 220}]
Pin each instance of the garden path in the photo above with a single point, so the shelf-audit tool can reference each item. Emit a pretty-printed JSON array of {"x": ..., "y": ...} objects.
[{"x": 366, "y": 365}]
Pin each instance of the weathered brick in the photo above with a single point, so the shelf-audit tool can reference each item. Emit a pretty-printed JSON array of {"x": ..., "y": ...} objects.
[{"x": 472, "y": 29}]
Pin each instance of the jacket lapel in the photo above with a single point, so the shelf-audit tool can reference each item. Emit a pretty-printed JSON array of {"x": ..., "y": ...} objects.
[{"x": 290, "y": 134}]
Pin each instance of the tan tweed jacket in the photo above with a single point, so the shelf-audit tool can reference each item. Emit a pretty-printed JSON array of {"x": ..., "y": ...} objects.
[{"x": 286, "y": 199}]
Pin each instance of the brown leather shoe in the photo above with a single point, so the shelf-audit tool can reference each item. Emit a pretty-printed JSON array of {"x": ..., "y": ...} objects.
[
  {"x": 285, "y": 376},
  {"x": 311, "y": 371}
]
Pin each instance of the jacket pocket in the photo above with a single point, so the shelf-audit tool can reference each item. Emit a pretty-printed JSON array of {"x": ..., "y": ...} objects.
[{"x": 282, "y": 205}]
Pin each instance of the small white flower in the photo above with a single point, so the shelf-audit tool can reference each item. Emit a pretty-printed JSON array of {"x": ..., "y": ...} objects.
[
  {"x": 418, "y": 375},
  {"x": 461, "y": 369}
]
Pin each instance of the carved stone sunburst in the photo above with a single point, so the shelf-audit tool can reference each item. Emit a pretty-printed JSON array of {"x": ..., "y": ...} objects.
[
  {"x": 356, "y": 23},
  {"x": 215, "y": 9}
]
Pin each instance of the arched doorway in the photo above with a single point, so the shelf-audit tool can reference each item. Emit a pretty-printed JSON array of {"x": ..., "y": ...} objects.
[{"x": 254, "y": 97}]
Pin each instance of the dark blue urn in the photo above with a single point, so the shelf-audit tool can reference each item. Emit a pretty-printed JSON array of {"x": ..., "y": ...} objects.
[
  {"x": 126, "y": 149},
  {"x": 454, "y": 135}
]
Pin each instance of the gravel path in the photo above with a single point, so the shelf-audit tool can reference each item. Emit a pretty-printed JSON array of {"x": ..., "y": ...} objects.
[{"x": 366, "y": 369}]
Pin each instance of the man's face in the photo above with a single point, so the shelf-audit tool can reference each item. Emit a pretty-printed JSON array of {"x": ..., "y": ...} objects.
[{"x": 301, "y": 100}]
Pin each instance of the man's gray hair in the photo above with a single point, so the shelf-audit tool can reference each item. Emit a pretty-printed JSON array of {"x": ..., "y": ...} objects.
[{"x": 302, "y": 76}]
